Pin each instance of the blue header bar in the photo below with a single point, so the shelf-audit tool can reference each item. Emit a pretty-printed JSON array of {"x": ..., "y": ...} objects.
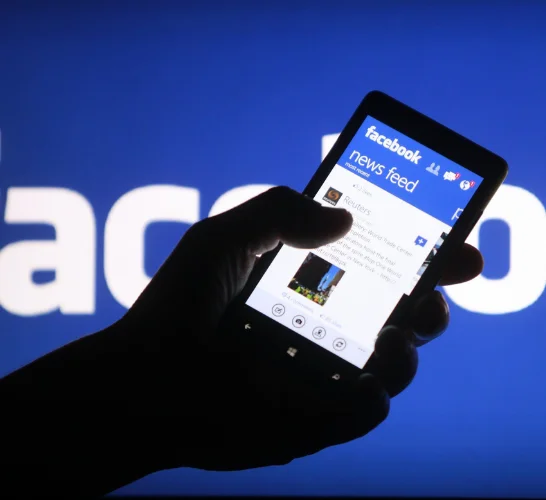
[{"x": 410, "y": 171}]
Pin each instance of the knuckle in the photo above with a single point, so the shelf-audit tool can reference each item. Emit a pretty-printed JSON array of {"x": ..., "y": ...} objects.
[
  {"x": 197, "y": 228},
  {"x": 280, "y": 193}
]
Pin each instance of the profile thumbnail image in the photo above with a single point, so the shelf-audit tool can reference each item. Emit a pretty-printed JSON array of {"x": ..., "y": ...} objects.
[
  {"x": 316, "y": 279},
  {"x": 431, "y": 254}
]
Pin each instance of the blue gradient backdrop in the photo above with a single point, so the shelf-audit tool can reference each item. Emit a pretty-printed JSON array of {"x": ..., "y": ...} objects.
[{"x": 102, "y": 98}]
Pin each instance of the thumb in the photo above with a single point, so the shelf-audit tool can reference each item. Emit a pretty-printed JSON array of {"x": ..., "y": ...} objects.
[{"x": 282, "y": 215}]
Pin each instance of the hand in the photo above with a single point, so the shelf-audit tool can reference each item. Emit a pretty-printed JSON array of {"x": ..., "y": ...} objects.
[{"x": 210, "y": 408}]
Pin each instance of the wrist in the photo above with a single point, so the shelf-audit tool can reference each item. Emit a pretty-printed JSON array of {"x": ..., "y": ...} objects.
[{"x": 72, "y": 421}]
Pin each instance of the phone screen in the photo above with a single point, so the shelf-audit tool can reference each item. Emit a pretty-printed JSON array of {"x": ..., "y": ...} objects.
[{"x": 404, "y": 198}]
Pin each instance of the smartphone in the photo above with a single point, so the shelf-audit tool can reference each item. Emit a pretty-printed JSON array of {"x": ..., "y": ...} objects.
[{"x": 415, "y": 190}]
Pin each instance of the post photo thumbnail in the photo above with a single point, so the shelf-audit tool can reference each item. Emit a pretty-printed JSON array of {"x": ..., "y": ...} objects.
[
  {"x": 316, "y": 279},
  {"x": 431, "y": 254}
]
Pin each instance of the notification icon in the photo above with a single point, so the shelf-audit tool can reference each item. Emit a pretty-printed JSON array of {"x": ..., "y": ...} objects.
[
  {"x": 466, "y": 185},
  {"x": 451, "y": 176}
]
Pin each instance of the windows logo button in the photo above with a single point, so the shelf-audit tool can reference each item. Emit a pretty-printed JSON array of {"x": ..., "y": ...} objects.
[{"x": 292, "y": 351}]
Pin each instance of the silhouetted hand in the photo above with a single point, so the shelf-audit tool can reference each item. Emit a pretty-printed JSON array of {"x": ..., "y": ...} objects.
[
  {"x": 164, "y": 387},
  {"x": 221, "y": 411}
]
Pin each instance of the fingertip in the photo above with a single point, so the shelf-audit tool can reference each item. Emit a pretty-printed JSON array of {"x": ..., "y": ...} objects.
[
  {"x": 325, "y": 225},
  {"x": 338, "y": 215},
  {"x": 465, "y": 266},
  {"x": 431, "y": 316},
  {"x": 475, "y": 261},
  {"x": 392, "y": 341},
  {"x": 395, "y": 359},
  {"x": 473, "y": 254}
]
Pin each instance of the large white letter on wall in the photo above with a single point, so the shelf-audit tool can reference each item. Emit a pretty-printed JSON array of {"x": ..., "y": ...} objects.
[
  {"x": 524, "y": 283},
  {"x": 125, "y": 230},
  {"x": 71, "y": 255}
]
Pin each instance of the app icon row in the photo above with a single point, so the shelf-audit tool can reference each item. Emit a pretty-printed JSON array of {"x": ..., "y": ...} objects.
[{"x": 298, "y": 321}]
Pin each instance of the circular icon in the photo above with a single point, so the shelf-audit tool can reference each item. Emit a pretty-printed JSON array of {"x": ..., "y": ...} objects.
[
  {"x": 298, "y": 321},
  {"x": 319, "y": 332},
  {"x": 333, "y": 194},
  {"x": 339, "y": 344},
  {"x": 278, "y": 310},
  {"x": 465, "y": 185}
]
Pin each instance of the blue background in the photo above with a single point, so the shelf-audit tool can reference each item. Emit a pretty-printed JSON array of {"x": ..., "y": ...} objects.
[
  {"x": 433, "y": 195},
  {"x": 103, "y": 99}
]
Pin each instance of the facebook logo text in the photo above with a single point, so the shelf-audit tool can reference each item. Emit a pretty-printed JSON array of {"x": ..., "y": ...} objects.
[{"x": 392, "y": 145}]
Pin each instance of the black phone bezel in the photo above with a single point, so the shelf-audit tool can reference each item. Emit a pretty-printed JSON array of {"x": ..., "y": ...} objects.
[{"x": 255, "y": 330}]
